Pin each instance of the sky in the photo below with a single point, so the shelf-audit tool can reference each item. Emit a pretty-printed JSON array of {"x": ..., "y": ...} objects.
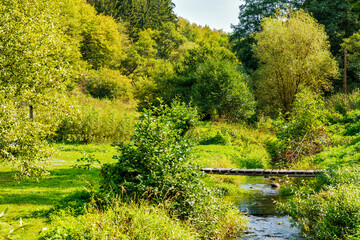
[{"x": 218, "y": 14}]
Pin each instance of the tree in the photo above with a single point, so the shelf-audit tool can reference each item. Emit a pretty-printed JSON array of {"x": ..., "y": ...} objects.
[
  {"x": 293, "y": 53},
  {"x": 35, "y": 64},
  {"x": 98, "y": 37},
  {"x": 34, "y": 54},
  {"x": 211, "y": 78},
  {"x": 341, "y": 20},
  {"x": 250, "y": 16},
  {"x": 139, "y": 14},
  {"x": 352, "y": 46}
]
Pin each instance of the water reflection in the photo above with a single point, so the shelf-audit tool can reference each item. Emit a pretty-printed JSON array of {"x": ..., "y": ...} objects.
[{"x": 265, "y": 221}]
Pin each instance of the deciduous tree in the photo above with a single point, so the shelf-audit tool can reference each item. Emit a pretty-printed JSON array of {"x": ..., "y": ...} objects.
[
  {"x": 250, "y": 15},
  {"x": 293, "y": 53},
  {"x": 35, "y": 64}
]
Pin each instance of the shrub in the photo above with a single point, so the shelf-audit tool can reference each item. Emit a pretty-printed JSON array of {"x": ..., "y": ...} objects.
[
  {"x": 343, "y": 103},
  {"x": 333, "y": 210},
  {"x": 155, "y": 162},
  {"x": 331, "y": 214},
  {"x": 110, "y": 84},
  {"x": 302, "y": 132},
  {"x": 155, "y": 165}
]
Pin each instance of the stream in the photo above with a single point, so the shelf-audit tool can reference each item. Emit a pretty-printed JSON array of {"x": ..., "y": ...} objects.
[{"x": 265, "y": 222}]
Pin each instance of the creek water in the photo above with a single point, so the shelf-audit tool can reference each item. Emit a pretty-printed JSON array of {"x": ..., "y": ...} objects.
[{"x": 260, "y": 205}]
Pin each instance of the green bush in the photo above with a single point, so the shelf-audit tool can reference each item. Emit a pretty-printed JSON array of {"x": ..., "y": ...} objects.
[
  {"x": 23, "y": 142},
  {"x": 301, "y": 132},
  {"x": 106, "y": 83},
  {"x": 155, "y": 162},
  {"x": 333, "y": 210},
  {"x": 342, "y": 103},
  {"x": 331, "y": 214},
  {"x": 155, "y": 165}
]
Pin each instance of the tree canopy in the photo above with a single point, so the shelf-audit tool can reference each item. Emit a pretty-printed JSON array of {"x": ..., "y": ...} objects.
[
  {"x": 139, "y": 14},
  {"x": 294, "y": 54},
  {"x": 250, "y": 15}
]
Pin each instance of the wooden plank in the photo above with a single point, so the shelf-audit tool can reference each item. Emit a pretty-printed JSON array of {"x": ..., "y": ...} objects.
[{"x": 261, "y": 172}]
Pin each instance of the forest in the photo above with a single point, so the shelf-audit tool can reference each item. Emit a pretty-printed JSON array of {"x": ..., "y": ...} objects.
[{"x": 109, "y": 108}]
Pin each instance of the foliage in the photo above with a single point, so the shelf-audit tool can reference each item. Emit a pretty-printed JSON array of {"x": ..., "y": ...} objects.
[
  {"x": 98, "y": 37},
  {"x": 344, "y": 103},
  {"x": 139, "y": 14},
  {"x": 333, "y": 211},
  {"x": 250, "y": 15},
  {"x": 155, "y": 165},
  {"x": 35, "y": 54},
  {"x": 352, "y": 46},
  {"x": 106, "y": 83},
  {"x": 301, "y": 132},
  {"x": 211, "y": 79},
  {"x": 340, "y": 19},
  {"x": 119, "y": 221},
  {"x": 23, "y": 143},
  {"x": 85, "y": 123},
  {"x": 149, "y": 163},
  {"x": 293, "y": 52},
  {"x": 35, "y": 65}
]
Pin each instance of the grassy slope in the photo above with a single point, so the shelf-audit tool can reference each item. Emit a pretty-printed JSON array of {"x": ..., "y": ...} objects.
[
  {"x": 231, "y": 146},
  {"x": 24, "y": 200}
]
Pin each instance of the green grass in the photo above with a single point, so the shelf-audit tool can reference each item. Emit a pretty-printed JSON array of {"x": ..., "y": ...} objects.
[
  {"x": 120, "y": 221},
  {"x": 226, "y": 145},
  {"x": 231, "y": 145},
  {"x": 25, "y": 200},
  {"x": 28, "y": 200}
]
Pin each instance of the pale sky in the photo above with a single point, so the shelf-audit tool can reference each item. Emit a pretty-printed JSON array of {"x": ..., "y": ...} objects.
[{"x": 218, "y": 14}]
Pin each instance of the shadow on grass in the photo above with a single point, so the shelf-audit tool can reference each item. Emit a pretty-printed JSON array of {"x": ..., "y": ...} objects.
[{"x": 47, "y": 191}]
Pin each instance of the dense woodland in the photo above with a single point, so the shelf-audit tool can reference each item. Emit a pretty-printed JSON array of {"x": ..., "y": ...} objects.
[{"x": 172, "y": 96}]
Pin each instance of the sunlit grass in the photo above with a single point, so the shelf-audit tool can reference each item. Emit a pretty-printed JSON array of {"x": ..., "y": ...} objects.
[{"x": 27, "y": 199}]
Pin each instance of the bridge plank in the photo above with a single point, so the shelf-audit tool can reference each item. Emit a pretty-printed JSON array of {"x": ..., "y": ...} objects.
[{"x": 261, "y": 172}]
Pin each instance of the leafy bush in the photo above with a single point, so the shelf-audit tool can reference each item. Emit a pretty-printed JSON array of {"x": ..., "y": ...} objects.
[
  {"x": 23, "y": 140},
  {"x": 155, "y": 162},
  {"x": 343, "y": 103},
  {"x": 302, "y": 132},
  {"x": 155, "y": 165},
  {"x": 106, "y": 83},
  {"x": 333, "y": 211}
]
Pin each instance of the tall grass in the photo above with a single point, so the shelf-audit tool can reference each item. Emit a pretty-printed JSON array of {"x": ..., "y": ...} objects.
[
  {"x": 94, "y": 120},
  {"x": 119, "y": 221}
]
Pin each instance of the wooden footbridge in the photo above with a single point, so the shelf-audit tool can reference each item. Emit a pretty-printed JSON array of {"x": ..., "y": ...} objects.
[{"x": 262, "y": 172}]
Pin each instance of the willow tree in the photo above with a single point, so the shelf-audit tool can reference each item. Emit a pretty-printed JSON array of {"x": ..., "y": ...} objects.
[{"x": 293, "y": 52}]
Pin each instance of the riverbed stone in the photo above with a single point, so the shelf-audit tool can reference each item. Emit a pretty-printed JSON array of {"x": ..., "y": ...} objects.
[{"x": 275, "y": 185}]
